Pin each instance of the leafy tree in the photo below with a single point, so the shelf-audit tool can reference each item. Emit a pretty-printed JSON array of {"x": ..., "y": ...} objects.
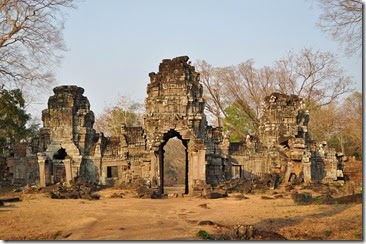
[
  {"x": 342, "y": 20},
  {"x": 31, "y": 42},
  {"x": 126, "y": 111},
  {"x": 236, "y": 122},
  {"x": 13, "y": 117}
]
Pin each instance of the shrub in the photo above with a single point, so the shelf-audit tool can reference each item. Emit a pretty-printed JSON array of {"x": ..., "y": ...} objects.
[{"x": 204, "y": 235}]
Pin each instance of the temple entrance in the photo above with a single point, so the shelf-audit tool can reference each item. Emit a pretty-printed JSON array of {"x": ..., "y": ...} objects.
[
  {"x": 173, "y": 164},
  {"x": 58, "y": 173}
]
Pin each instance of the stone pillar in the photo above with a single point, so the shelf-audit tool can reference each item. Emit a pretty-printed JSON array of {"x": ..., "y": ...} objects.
[
  {"x": 307, "y": 172},
  {"x": 68, "y": 171},
  {"x": 202, "y": 165},
  {"x": 75, "y": 169},
  {"x": 161, "y": 170},
  {"x": 288, "y": 171},
  {"x": 306, "y": 166},
  {"x": 42, "y": 163},
  {"x": 153, "y": 173},
  {"x": 193, "y": 169},
  {"x": 103, "y": 175}
]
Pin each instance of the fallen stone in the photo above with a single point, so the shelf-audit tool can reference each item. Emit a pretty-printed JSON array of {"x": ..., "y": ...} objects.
[
  {"x": 243, "y": 232},
  {"x": 115, "y": 195},
  {"x": 12, "y": 199},
  {"x": 215, "y": 195},
  {"x": 206, "y": 222},
  {"x": 267, "y": 198}
]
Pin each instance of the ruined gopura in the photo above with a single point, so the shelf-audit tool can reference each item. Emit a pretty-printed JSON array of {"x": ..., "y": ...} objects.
[{"x": 68, "y": 146}]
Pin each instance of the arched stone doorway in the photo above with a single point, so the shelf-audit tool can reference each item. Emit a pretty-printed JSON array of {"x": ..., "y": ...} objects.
[
  {"x": 175, "y": 108},
  {"x": 182, "y": 184}
]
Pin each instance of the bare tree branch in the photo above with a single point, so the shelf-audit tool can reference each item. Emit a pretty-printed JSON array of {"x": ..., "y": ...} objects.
[
  {"x": 342, "y": 20},
  {"x": 31, "y": 41}
]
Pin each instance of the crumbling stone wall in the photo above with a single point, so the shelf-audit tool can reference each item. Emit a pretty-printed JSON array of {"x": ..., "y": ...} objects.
[
  {"x": 20, "y": 167},
  {"x": 125, "y": 160},
  {"x": 285, "y": 146},
  {"x": 68, "y": 146},
  {"x": 327, "y": 165},
  {"x": 68, "y": 128},
  {"x": 217, "y": 156}
]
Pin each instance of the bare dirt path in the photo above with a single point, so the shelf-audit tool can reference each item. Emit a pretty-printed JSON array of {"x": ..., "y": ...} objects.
[{"x": 130, "y": 218}]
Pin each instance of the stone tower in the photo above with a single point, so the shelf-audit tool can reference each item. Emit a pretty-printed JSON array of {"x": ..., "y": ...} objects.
[
  {"x": 67, "y": 136},
  {"x": 174, "y": 102}
]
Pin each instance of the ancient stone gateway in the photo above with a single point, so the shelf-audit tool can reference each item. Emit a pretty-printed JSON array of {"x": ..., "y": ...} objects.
[
  {"x": 174, "y": 107},
  {"x": 68, "y": 146}
]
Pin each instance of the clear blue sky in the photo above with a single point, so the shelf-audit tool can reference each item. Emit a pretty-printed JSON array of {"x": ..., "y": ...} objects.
[{"x": 114, "y": 44}]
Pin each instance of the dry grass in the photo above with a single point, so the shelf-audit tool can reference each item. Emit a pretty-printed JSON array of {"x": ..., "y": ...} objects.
[{"x": 38, "y": 217}]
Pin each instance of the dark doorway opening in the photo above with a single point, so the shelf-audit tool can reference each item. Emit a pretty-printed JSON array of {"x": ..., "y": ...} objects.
[
  {"x": 60, "y": 154},
  {"x": 173, "y": 164},
  {"x": 236, "y": 171},
  {"x": 112, "y": 171}
]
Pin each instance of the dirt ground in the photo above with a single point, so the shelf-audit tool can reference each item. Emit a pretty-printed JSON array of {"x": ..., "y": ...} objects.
[{"x": 38, "y": 217}]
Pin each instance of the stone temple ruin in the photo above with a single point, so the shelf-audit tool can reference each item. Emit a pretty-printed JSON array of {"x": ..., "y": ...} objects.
[{"x": 68, "y": 146}]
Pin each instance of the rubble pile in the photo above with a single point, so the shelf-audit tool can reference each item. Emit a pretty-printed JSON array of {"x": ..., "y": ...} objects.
[
  {"x": 79, "y": 189},
  {"x": 268, "y": 181},
  {"x": 305, "y": 198},
  {"x": 239, "y": 232},
  {"x": 235, "y": 185},
  {"x": 145, "y": 192}
]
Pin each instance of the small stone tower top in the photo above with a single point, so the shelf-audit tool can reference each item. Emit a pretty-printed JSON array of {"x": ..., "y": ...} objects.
[
  {"x": 69, "y": 118},
  {"x": 68, "y": 96}
]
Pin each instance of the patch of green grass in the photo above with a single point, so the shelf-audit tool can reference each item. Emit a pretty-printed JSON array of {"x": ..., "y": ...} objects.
[
  {"x": 204, "y": 235},
  {"x": 358, "y": 235},
  {"x": 327, "y": 233}
]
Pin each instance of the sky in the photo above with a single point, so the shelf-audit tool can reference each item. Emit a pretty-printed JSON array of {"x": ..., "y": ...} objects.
[{"x": 114, "y": 44}]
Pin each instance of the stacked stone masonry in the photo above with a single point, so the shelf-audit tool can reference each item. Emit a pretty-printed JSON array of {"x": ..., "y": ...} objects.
[{"x": 68, "y": 146}]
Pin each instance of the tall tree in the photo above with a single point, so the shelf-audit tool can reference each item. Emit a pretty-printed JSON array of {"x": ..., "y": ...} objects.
[
  {"x": 342, "y": 20},
  {"x": 31, "y": 42},
  {"x": 323, "y": 124},
  {"x": 314, "y": 76},
  {"x": 13, "y": 117},
  {"x": 351, "y": 112},
  {"x": 236, "y": 123},
  {"x": 248, "y": 88},
  {"x": 213, "y": 82},
  {"x": 126, "y": 111}
]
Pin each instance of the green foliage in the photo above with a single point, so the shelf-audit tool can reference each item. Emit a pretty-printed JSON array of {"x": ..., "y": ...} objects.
[
  {"x": 124, "y": 116},
  {"x": 238, "y": 122},
  {"x": 327, "y": 233},
  {"x": 126, "y": 111},
  {"x": 13, "y": 117},
  {"x": 204, "y": 235}
]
